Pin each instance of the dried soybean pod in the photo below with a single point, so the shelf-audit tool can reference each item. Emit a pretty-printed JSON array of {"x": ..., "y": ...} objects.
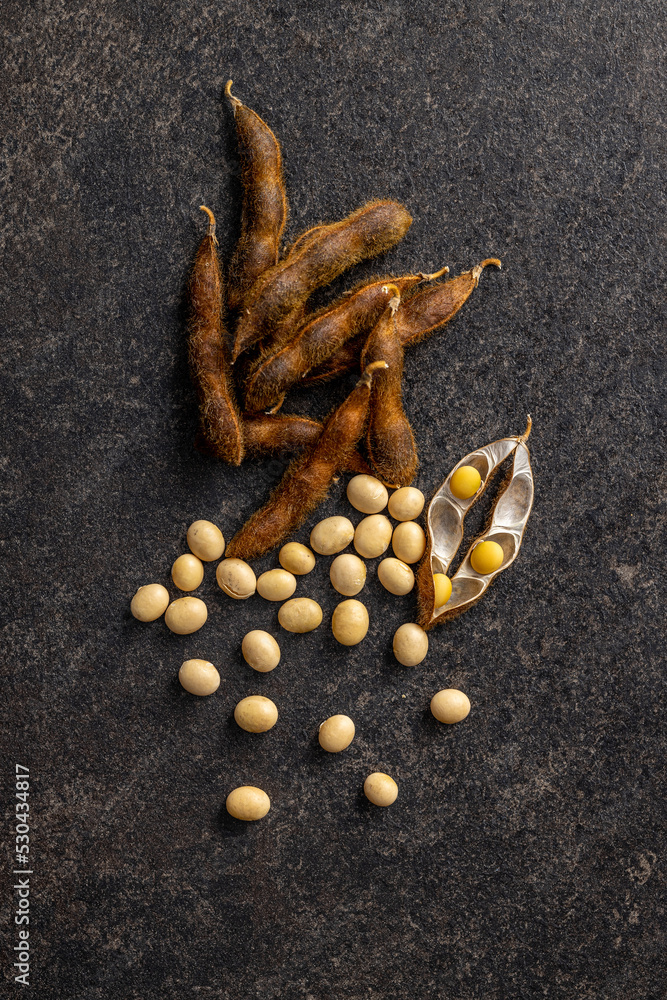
[
  {"x": 280, "y": 433},
  {"x": 264, "y": 211},
  {"x": 355, "y": 313},
  {"x": 420, "y": 315},
  {"x": 307, "y": 480},
  {"x": 426, "y": 310},
  {"x": 280, "y": 293},
  {"x": 219, "y": 421},
  {"x": 389, "y": 439},
  {"x": 444, "y": 523}
]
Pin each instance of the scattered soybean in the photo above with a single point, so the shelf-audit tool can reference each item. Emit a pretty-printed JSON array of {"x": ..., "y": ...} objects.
[
  {"x": 450, "y": 706},
  {"x": 206, "y": 540},
  {"x": 296, "y": 558},
  {"x": 260, "y": 651},
  {"x": 276, "y": 585},
  {"x": 408, "y": 541},
  {"x": 380, "y": 789},
  {"x": 301, "y": 614},
  {"x": 336, "y": 733},
  {"x": 406, "y": 504},
  {"x": 199, "y": 677},
  {"x": 150, "y": 602},
  {"x": 396, "y": 576},
  {"x": 256, "y": 714},
  {"x": 187, "y": 572},
  {"x": 347, "y": 574},
  {"x": 372, "y": 536},
  {"x": 236, "y": 579},
  {"x": 349, "y": 622},
  {"x": 367, "y": 494},
  {"x": 248, "y": 803},
  {"x": 332, "y": 535},
  {"x": 186, "y": 615},
  {"x": 410, "y": 644}
]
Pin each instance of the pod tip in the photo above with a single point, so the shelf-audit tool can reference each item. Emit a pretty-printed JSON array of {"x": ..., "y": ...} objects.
[
  {"x": 529, "y": 426},
  {"x": 230, "y": 97},
  {"x": 366, "y": 378},
  {"x": 432, "y": 277}
]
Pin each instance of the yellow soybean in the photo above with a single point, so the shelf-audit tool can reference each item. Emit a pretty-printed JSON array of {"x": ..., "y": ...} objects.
[
  {"x": 301, "y": 614},
  {"x": 260, "y": 651},
  {"x": 349, "y": 623},
  {"x": 367, "y": 494},
  {"x": 396, "y": 576},
  {"x": 248, "y": 803},
  {"x": 406, "y": 504},
  {"x": 296, "y": 558},
  {"x": 465, "y": 482},
  {"x": 380, "y": 789},
  {"x": 408, "y": 541},
  {"x": 450, "y": 706},
  {"x": 336, "y": 733},
  {"x": 187, "y": 572},
  {"x": 372, "y": 536},
  {"x": 443, "y": 589},
  {"x": 331, "y": 535},
  {"x": 410, "y": 644},
  {"x": 236, "y": 579},
  {"x": 347, "y": 574},
  {"x": 486, "y": 558},
  {"x": 276, "y": 585},
  {"x": 185, "y": 615},
  {"x": 256, "y": 714},
  {"x": 206, "y": 540},
  {"x": 149, "y": 602},
  {"x": 199, "y": 677}
]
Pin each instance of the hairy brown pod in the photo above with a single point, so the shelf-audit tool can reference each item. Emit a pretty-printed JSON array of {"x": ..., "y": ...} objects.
[
  {"x": 264, "y": 211},
  {"x": 219, "y": 421},
  {"x": 280, "y": 433},
  {"x": 280, "y": 293},
  {"x": 308, "y": 478},
  {"x": 356, "y": 313},
  {"x": 389, "y": 439},
  {"x": 419, "y": 316}
]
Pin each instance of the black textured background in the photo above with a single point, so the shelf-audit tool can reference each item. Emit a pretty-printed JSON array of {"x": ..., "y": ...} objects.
[{"x": 523, "y": 857}]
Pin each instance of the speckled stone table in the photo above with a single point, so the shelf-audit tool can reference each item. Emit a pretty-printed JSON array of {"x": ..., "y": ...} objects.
[{"x": 524, "y": 856}]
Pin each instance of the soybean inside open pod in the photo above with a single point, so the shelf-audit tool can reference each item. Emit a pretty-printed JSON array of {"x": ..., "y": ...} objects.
[{"x": 444, "y": 523}]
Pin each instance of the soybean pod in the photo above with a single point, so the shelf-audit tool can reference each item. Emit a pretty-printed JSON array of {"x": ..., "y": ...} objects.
[
  {"x": 264, "y": 211},
  {"x": 420, "y": 315},
  {"x": 219, "y": 420},
  {"x": 280, "y": 433},
  {"x": 308, "y": 478},
  {"x": 280, "y": 294},
  {"x": 356, "y": 313},
  {"x": 389, "y": 439}
]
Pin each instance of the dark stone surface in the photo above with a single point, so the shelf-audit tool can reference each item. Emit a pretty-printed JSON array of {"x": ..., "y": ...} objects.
[{"x": 523, "y": 857}]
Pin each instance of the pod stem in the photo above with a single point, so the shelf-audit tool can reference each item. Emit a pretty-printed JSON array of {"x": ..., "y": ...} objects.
[
  {"x": 367, "y": 377},
  {"x": 234, "y": 101},
  {"x": 476, "y": 271},
  {"x": 526, "y": 434},
  {"x": 432, "y": 277},
  {"x": 211, "y": 222}
]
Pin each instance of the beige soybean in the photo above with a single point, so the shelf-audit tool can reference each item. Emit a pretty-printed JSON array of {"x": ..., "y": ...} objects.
[
  {"x": 410, "y": 644},
  {"x": 347, "y": 574},
  {"x": 248, "y": 803},
  {"x": 331, "y": 535},
  {"x": 349, "y": 622},
  {"x": 406, "y": 504},
  {"x": 296, "y": 558},
  {"x": 256, "y": 714},
  {"x": 187, "y": 572},
  {"x": 367, "y": 494},
  {"x": 380, "y": 789},
  {"x": 260, "y": 651},
  {"x": 149, "y": 602},
  {"x": 301, "y": 614},
  {"x": 408, "y": 541},
  {"x": 236, "y": 578},
  {"x": 185, "y": 615},
  {"x": 450, "y": 706},
  {"x": 276, "y": 585},
  {"x": 372, "y": 536},
  {"x": 336, "y": 733},
  {"x": 206, "y": 540},
  {"x": 396, "y": 576},
  {"x": 199, "y": 677}
]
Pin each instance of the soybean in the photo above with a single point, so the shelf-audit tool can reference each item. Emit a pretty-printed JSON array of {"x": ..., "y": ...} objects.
[
  {"x": 336, "y": 733},
  {"x": 410, "y": 644},
  {"x": 260, "y": 651},
  {"x": 248, "y": 803},
  {"x": 276, "y": 585},
  {"x": 347, "y": 574},
  {"x": 199, "y": 677},
  {"x": 486, "y": 557},
  {"x": 406, "y": 504},
  {"x": 185, "y": 615},
  {"x": 331, "y": 535},
  {"x": 256, "y": 714},
  {"x": 367, "y": 494},
  {"x": 442, "y": 586},
  {"x": 372, "y": 536},
  {"x": 296, "y": 558},
  {"x": 236, "y": 578},
  {"x": 187, "y": 572},
  {"x": 465, "y": 482},
  {"x": 380, "y": 789},
  {"x": 349, "y": 623},
  {"x": 396, "y": 576},
  {"x": 450, "y": 706},
  {"x": 206, "y": 540},
  {"x": 149, "y": 602},
  {"x": 301, "y": 614},
  {"x": 408, "y": 541}
]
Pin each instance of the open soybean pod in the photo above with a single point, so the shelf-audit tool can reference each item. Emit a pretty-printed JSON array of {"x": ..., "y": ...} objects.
[
  {"x": 307, "y": 479},
  {"x": 264, "y": 210},
  {"x": 445, "y": 517},
  {"x": 420, "y": 314},
  {"x": 219, "y": 420},
  {"x": 356, "y": 313},
  {"x": 278, "y": 296},
  {"x": 389, "y": 440}
]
